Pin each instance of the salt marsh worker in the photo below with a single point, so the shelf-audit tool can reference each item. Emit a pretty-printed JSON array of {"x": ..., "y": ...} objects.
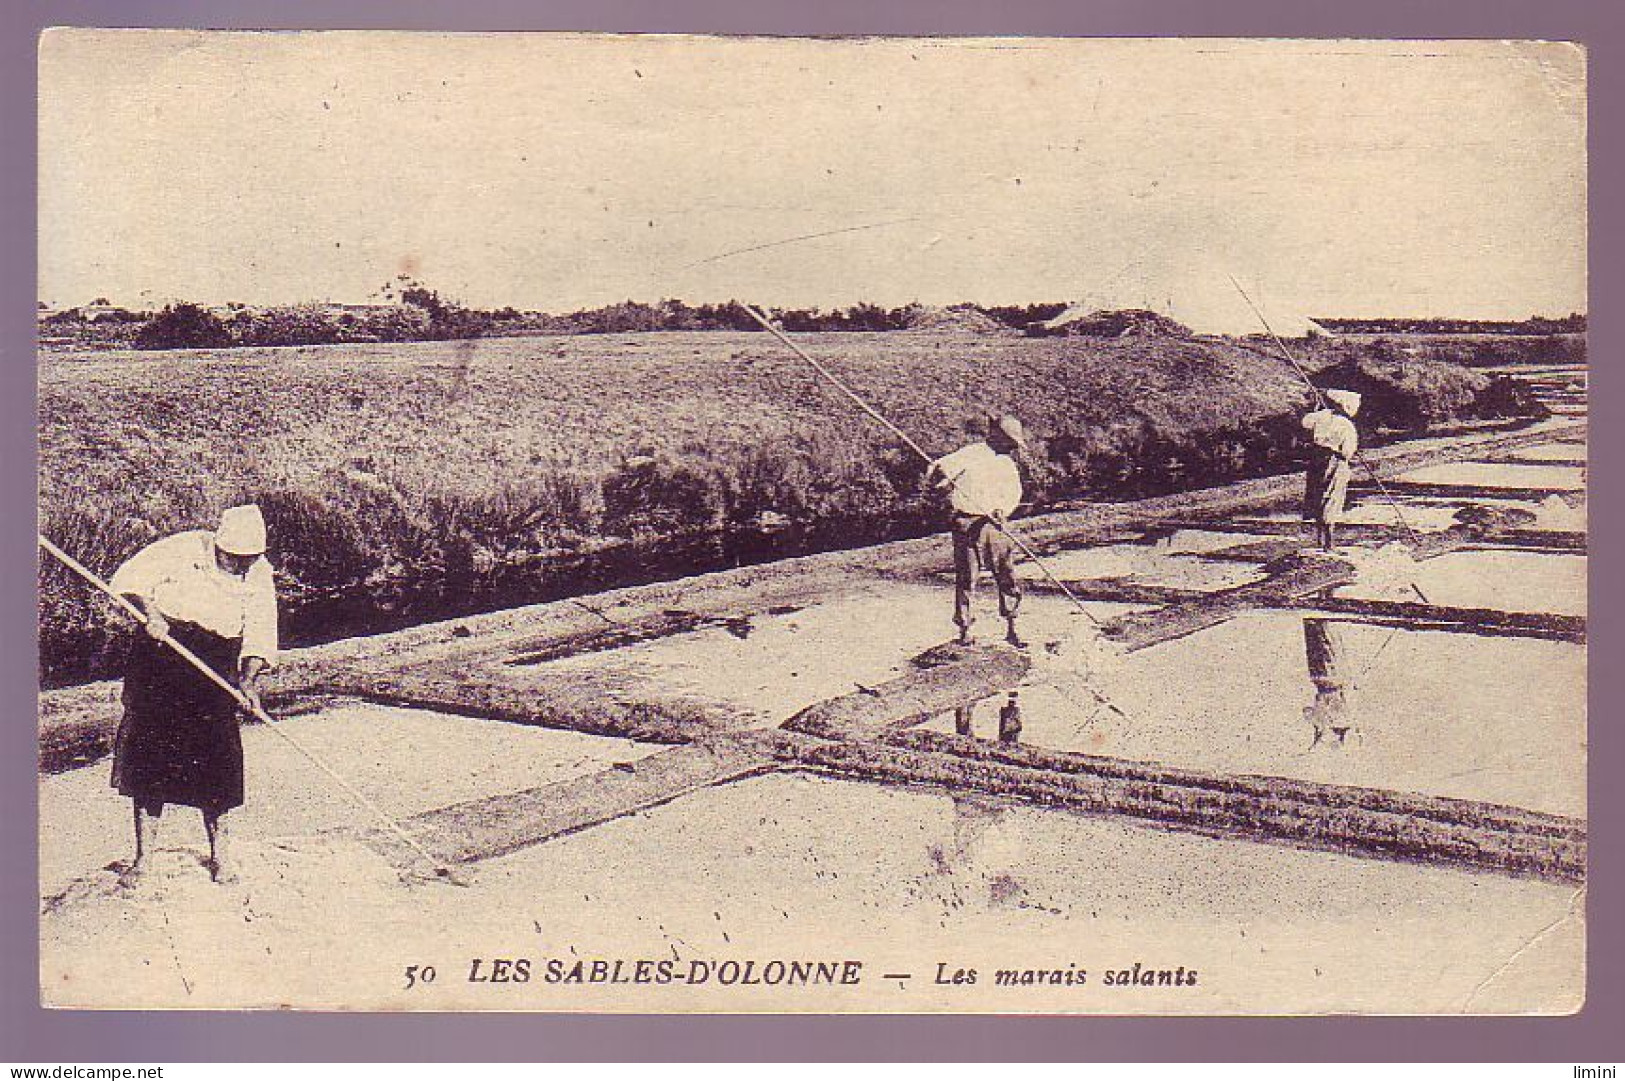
[
  {"x": 213, "y": 592},
  {"x": 1333, "y": 442},
  {"x": 983, "y": 484}
]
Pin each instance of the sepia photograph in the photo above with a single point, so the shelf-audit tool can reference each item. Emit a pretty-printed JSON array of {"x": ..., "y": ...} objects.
[{"x": 672, "y": 524}]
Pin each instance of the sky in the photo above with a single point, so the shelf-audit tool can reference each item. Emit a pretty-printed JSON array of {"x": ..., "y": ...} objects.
[{"x": 557, "y": 172}]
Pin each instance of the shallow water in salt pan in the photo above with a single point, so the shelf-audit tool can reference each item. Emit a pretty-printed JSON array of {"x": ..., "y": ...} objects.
[
  {"x": 1422, "y": 516},
  {"x": 1510, "y": 581},
  {"x": 793, "y": 660},
  {"x": 1148, "y": 564},
  {"x": 1500, "y": 475},
  {"x": 1496, "y": 719},
  {"x": 1549, "y": 452}
]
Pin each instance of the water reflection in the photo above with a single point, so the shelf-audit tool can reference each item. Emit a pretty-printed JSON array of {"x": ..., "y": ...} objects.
[
  {"x": 1329, "y": 715},
  {"x": 1009, "y": 719}
]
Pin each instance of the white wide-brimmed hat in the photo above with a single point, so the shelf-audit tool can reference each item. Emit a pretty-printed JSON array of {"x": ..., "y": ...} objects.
[
  {"x": 1346, "y": 400},
  {"x": 1011, "y": 427},
  {"x": 242, "y": 531}
]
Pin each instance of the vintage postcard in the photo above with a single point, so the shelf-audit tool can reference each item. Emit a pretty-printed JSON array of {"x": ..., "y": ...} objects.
[{"x": 673, "y": 524}]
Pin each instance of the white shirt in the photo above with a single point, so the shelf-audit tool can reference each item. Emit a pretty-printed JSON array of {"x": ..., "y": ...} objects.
[
  {"x": 179, "y": 577},
  {"x": 980, "y": 481},
  {"x": 1333, "y": 431}
]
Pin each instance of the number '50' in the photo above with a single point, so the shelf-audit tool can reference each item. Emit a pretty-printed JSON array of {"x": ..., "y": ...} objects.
[{"x": 416, "y": 974}]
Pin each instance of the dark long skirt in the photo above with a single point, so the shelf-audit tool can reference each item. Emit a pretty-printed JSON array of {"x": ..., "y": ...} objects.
[{"x": 179, "y": 741}]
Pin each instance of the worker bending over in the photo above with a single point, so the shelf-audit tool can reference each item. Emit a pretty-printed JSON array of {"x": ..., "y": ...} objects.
[{"x": 214, "y": 593}]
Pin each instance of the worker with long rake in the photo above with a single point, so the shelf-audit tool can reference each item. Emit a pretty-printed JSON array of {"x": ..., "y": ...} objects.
[
  {"x": 213, "y": 592},
  {"x": 1333, "y": 443},
  {"x": 983, "y": 486},
  {"x": 1074, "y": 648},
  {"x": 207, "y": 601}
]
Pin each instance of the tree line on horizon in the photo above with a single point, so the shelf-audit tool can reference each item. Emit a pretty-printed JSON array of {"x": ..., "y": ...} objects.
[{"x": 420, "y": 313}]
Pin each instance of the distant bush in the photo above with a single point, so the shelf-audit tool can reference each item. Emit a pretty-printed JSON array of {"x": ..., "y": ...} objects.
[
  {"x": 108, "y": 316},
  {"x": 625, "y": 318},
  {"x": 318, "y": 324},
  {"x": 631, "y": 317},
  {"x": 446, "y": 321},
  {"x": 305, "y": 324},
  {"x": 1573, "y": 323},
  {"x": 77, "y": 329},
  {"x": 1021, "y": 315},
  {"x": 183, "y": 326}
]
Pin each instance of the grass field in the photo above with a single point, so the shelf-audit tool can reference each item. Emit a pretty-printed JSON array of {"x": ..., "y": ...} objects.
[{"x": 409, "y": 481}]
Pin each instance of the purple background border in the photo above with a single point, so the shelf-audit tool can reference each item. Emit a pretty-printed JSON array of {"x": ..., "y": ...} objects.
[{"x": 29, "y": 1034}]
